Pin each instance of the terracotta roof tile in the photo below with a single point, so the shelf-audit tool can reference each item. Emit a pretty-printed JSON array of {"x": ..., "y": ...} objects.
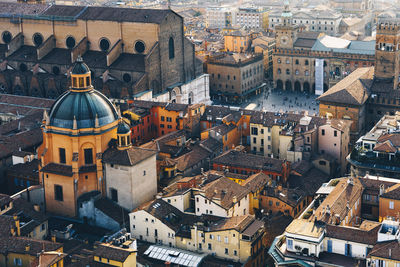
[
  {"x": 354, "y": 89},
  {"x": 224, "y": 190}
]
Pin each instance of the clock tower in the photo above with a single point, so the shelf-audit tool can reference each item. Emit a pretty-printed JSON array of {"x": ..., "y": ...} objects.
[{"x": 286, "y": 31}]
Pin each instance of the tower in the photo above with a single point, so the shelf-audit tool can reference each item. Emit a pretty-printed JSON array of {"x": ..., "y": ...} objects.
[
  {"x": 77, "y": 131},
  {"x": 123, "y": 136},
  {"x": 286, "y": 31},
  {"x": 387, "y": 51}
]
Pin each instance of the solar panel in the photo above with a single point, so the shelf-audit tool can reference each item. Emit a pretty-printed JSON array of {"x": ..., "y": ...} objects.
[{"x": 176, "y": 256}]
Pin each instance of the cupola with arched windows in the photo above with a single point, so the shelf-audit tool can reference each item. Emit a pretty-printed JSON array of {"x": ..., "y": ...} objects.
[
  {"x": 80, "y": 76},
  {"x": 123, "y": 135}
]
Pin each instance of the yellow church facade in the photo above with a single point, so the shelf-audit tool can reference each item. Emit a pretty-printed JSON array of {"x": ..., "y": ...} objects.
[{"x": 76, "y": 132}]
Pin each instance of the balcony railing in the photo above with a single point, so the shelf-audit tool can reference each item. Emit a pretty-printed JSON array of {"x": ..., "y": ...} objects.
[{"x": 370, "y": 160}]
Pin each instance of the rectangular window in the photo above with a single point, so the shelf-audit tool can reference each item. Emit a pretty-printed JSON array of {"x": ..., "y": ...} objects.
[
  {"x": 209, "y": 246},
  {"x": 88, "y": 155},
  {"x": 290, "y": 244},
  {"x": 262, "y": 131},
  {"x": 226, "y": 251},
  {"x": 323, "y": 131},
  {"x": 254, "y": 140},
  {"x": 17, "y": 262},
  {"x": 226, "y": 240},
  {"x": 162, "y": 118},
  {"x": 254, "y": 131},
  {"x": 61, "y": 152},
  {"x": 335, "y": 133},
  {"x": 58, "y": 193},
  {"x": 114, "y": 194},
  {"x": 391, "y": 205},
  {"x": 161, "y": 125}
]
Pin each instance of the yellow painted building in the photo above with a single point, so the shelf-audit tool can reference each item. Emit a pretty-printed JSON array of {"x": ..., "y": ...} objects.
[
  {"x": 238, "y": 238},
  {"x": 385, "y": 254},
  {"x": 76, "y": 132},
  {"x": 111, "y": 255},
  {"x": 255, "y": 183},
  {"x": 237, "y": 41}
]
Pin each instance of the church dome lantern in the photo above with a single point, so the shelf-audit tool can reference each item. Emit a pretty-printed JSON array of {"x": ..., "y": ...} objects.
[
  {"x": 81, "y": 76},
  {"x": 123, "y": 135}
]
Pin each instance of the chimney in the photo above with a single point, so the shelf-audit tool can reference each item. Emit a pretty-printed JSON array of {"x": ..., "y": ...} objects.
[
  {"x": 234, "y": 199},
  {"x": 381, "y": 189},
  {"x": 27, "y": 247},
  {"x": 53, "y": 238}
]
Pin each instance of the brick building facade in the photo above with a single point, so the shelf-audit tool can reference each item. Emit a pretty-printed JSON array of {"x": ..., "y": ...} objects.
[{"x": 130, "y": 51}]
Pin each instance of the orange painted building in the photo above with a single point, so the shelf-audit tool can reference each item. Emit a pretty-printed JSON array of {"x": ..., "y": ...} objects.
[
  {"x": 288, "y": 201},
  {"x": 76, "y": 132},
  {"x": 389, "y": 203},
  {"x": 156, "y": 119}
]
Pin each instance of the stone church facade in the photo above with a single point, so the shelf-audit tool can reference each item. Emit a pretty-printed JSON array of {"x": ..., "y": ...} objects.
[{"x": 131, "y": 52}]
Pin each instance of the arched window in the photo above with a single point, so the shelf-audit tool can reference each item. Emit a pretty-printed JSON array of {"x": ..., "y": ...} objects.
[
  {"x": 297, "y": 72},
  {"x": 297, "y": 62},
  {"x": 306, "y": 62},
  {"x": 287, "y": 71},
  {"x": 171, "y": 47},
  {"x": 279, "y": 71},
  {"x": 279, "y": 60}
]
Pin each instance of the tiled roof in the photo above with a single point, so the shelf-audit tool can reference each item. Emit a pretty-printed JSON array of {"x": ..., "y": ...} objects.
[
  {"x": 392, "y": 192},
  {"x": 56, "y": 168},
  {"x": 385, "y": 147},
  {"x": 25, "y": 140},
  {"x": 354, "y": 89},
  {"x": 382, "y": 250},
  {"x": 347, "y": 191},
  {"x": 394, "y": 138},
  {"x": 125, "y": 14},
  {"x": 193, "y": 157},
  {"x": 223, "y": 128},
  {"x": 256, "y": 181},
  {"x": 28, "y": 169},
  {"x": 168, "y": 214},
  {"x": 239, "y": 223},
  {"x": 112, "y": 253},
  {"x": 127, "y": 157},
  {"x": 224, "y": 190},
  {"x": 19, "y": 245},
  {"x": 372, "y": 187},
  {"x": 246, "y": 160},
  {"x": 353, "y": 234},
  {"x": 291, "y": 196},
  {"x": 27, "y": 213},
  {"x": 211, "y": 144},
  {"x": 87, "y": 13},
  {"x": 309, "y": 182},
  {"x": 340, "y": 125}
]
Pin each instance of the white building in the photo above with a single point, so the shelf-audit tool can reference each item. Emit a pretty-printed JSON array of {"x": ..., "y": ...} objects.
[
  {"x": 248, "y": 17},
  {"x": 193, "y": 92},
  {"x": 155, "y": 223},
  {"x": 222, "y": 197},
  {"x": 218, "y": 17},
  {"x": 131, "y": 173},
  {"x": 315, "y": 20}
]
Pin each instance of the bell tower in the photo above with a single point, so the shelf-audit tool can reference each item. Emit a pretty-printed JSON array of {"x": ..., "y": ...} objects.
[
  {"x": 387, "y": 51},
  {"x": 286, "y": 31}
]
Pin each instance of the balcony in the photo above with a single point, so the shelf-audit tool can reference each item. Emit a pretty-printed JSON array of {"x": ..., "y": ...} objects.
[{"x": 368, "y": 159}]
